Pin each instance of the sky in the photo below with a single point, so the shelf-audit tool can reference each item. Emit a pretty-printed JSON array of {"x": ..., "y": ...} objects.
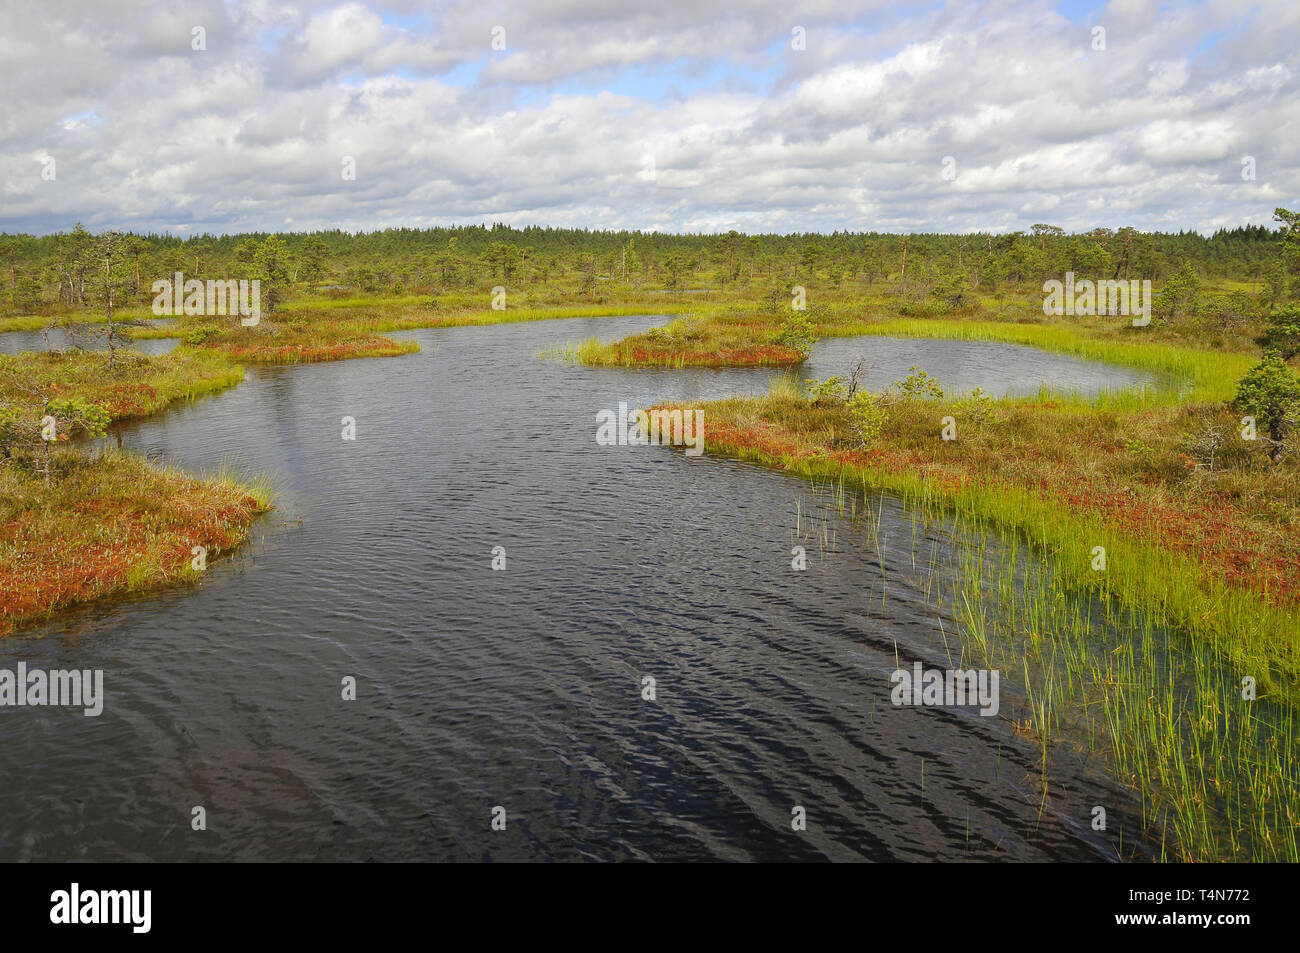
[{"x": 672, "y": 115}]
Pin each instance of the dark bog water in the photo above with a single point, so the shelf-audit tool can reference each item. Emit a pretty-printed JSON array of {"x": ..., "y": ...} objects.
[{"x": 522, "y": 688}]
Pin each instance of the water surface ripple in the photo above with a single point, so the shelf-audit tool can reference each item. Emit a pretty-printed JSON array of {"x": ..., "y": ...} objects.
[{"x": 522, "y": 688}]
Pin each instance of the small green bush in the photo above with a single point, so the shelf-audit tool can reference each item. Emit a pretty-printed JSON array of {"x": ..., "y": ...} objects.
[
  {"x": 201, "y": 335},
  {"x": 868, "y": 415}
]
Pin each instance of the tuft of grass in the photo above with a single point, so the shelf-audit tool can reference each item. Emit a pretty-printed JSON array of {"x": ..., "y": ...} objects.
[{"x": 1217, "y": 771}]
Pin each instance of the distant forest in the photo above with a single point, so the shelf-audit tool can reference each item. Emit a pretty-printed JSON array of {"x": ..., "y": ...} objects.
[{"x": 62, "y": 270}]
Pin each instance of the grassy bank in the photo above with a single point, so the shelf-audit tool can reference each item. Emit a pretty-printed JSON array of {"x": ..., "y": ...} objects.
[
  {"x": 1206, "y": 559},
  {"x": 1215, "y": 555},
  {"x": 1084, "y": 678},
  {"x": 136, "y": 386},
  {"x": 1217, "y": 772},
  {"x": 108, "y": 523},
  {"x": 1187, "y": 371},
  {"x": 111, "y": 524}
]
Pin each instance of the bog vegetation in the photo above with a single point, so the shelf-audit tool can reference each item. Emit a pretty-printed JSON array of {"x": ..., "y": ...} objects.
[{"x": 1190, "y": 488}]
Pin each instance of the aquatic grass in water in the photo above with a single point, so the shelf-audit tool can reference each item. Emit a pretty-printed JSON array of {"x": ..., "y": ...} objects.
[
  {"x": 1217, "y": 771},
  {"x": 1142, "y": 662}
]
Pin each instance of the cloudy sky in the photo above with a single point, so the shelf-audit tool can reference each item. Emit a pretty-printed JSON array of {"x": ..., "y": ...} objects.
[{"x": 676, "y": 115}]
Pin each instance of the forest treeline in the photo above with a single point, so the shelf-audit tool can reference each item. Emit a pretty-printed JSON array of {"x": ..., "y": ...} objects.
[{"x": 64, "y": 269}]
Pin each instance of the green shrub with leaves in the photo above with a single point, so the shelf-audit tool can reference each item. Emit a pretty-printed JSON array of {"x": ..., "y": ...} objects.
[
  {"x": 953, "y": 290},
  {"x": 918, "y": 385},
  {"x": 1231, "y": 311},
  {"x": 1270, "y": 392},
  {"x": 1283, "y": 331},
  {"x": 58, "y": 420},
  {"x": 830, "y": 391},
  {"x": 75, "y": 417},
  {"x": 867, "y": 415},
  {"x": 976, "y": 406},
  {"x": 202, "y": 334},
  {"x": 1181, "y": 297},
  {"x": 797, "y": 332}
]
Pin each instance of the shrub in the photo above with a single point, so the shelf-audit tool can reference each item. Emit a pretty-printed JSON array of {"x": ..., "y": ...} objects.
[
  {"x": 1283, "y": 331},
  {"x": 1202, "y": 448},
  {"x": 796, "y": 332},
  {"x": 867, "y": 415},
  {"x": 918, "y": 385},
  {"x": 11, "y": 430},
  {"x": 831, "y": 390},
  {"x": 201, "y": 334},
  {"x": 976, "y": 406},
  {"x": 74, "y": 416},
  {"x": 1270, "y": 392}
]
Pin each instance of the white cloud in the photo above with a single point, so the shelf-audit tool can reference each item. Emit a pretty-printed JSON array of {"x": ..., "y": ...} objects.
[{"x": 849, "y": 133}]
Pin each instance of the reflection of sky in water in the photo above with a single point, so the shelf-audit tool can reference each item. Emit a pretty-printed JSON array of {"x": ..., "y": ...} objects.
[
  {"x": 959, "y": 366},
  {"x": 90, "y": 337}
]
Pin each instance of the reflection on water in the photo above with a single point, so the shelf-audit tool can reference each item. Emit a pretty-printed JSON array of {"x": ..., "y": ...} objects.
[
  {"x": 961, "y": 366},
  {"x": 523, "y": 688},
  {"x": 86, "y": 337}
]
